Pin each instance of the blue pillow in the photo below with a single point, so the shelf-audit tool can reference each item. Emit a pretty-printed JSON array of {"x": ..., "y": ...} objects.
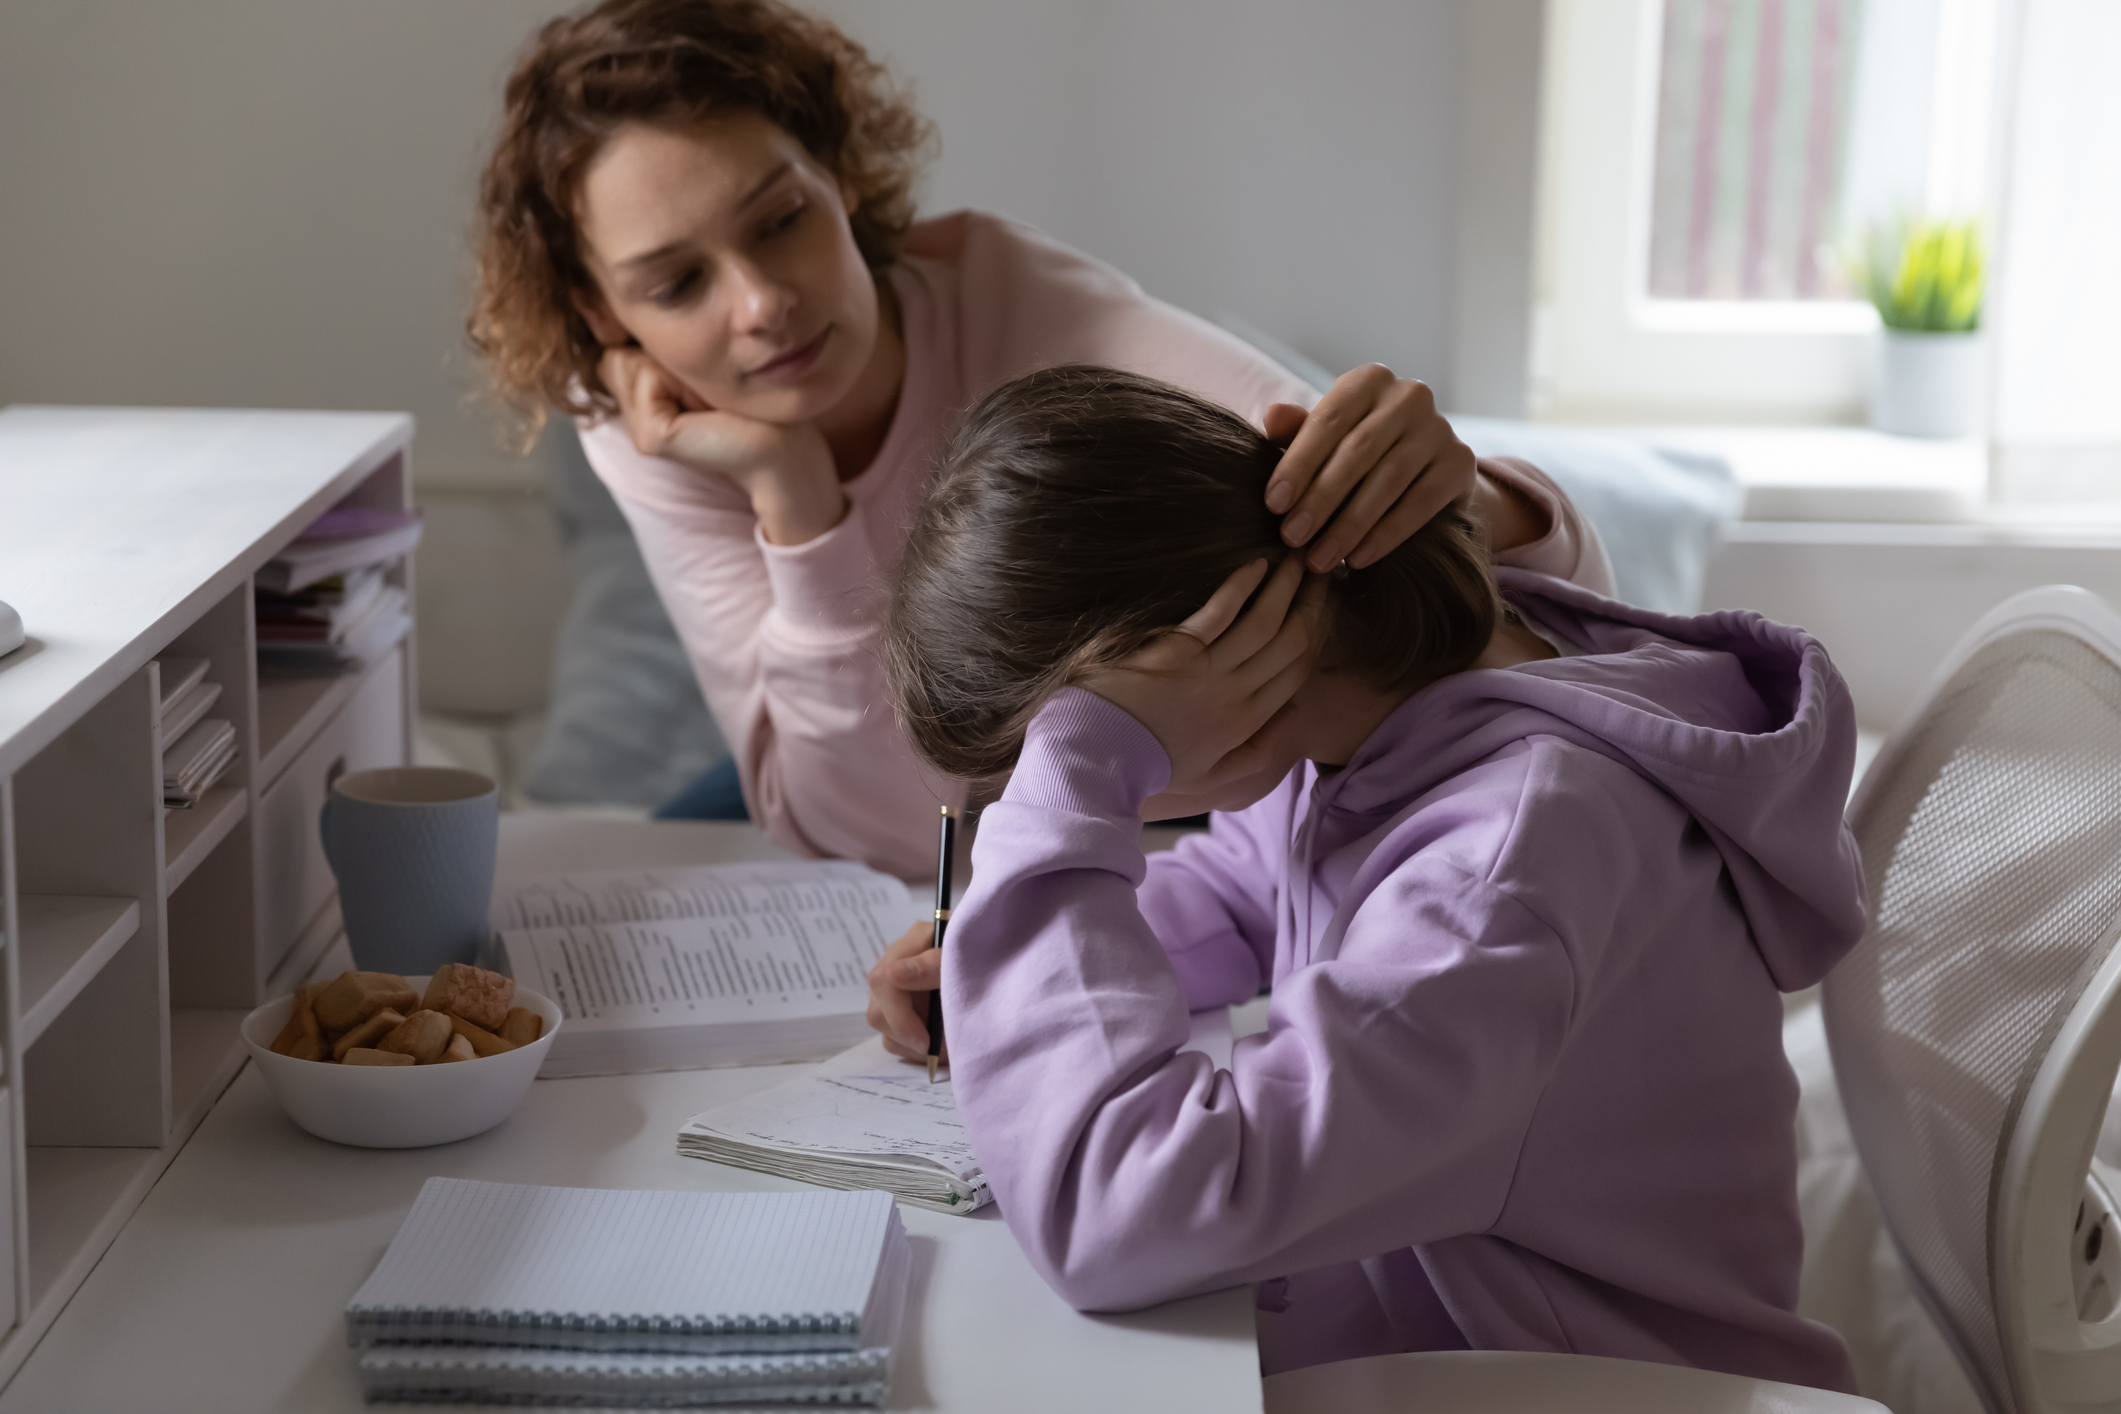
[
  {"x": 1661, "y": 512},
  {"x": 625, "y": 723}
]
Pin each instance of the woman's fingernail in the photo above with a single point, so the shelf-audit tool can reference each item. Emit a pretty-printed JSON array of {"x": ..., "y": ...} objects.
[
  {"x": 1279, "y": 495},
  {"x": 1297, "y": 528},
  {"x": 909, "y": 971}
]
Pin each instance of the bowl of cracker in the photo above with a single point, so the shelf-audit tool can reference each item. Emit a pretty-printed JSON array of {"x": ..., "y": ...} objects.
[{"x": 388, "y": 1062}]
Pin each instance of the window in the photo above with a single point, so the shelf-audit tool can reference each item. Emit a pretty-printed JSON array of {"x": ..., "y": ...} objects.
[
  {"x": 1749, "y": 149},
  {"x": 1705, "y": 165}
]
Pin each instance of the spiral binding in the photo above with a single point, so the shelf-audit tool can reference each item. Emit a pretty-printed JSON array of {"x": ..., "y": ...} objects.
[{"x": 614, "y": 1333}]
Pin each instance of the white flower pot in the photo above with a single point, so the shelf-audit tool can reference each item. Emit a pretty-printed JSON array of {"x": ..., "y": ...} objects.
[{"x": 1928, "y": 385}]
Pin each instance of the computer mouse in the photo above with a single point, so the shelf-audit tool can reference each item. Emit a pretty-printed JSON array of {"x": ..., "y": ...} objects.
[{"x": 10, "y": 630}]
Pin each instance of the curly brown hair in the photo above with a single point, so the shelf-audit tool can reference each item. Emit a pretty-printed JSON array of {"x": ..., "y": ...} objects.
[{"x": 668, "y": 63}]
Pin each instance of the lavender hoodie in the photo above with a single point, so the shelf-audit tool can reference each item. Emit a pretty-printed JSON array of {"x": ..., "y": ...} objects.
[{"x": 1523, "y": 1060}]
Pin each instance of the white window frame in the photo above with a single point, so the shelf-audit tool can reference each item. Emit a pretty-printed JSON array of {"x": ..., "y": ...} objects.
[{"x": 1602, "y": 349}]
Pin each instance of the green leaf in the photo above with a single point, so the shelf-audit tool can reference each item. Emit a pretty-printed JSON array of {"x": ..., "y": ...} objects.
[{"x": 1926, "y": 276}]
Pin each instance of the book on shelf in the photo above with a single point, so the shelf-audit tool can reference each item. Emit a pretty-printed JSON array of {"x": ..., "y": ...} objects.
[
  {"x": 323, "y": 648},
  {"x": 187, "y": 693},
  {"x": 326, "y": 609},
  {"x": 198, "y": 759},
  {"x": 702, "y": 965},
  {"x": 515, "y": 1293},
  {"x": 346, "y": 538},
  {"x": 179, "y": 675}
]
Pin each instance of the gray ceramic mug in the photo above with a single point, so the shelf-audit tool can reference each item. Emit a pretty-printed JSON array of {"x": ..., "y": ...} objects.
[{"x": 412, "y": 848}]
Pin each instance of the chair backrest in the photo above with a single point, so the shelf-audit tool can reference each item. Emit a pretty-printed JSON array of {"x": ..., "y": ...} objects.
[{"x": 1973, "y": 1029}]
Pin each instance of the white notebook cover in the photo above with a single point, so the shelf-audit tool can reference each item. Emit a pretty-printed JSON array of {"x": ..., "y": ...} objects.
[
  {"x": 454, "y": 1373},
  {"x": 616, "y": 1270}
]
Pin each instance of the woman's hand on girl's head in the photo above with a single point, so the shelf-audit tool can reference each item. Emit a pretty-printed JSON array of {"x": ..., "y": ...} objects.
[
  {"x": 1372, "y": 463},
  {"x": 786, "y": 470},
  {"x": 899, "y": 984},
  {"x": 1216, "y": 691}
]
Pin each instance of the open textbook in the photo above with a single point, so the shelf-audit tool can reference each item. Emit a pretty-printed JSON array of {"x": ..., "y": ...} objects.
[
  {"x": 702, "y": 965},
  {"x": 866, "y": 1119}
]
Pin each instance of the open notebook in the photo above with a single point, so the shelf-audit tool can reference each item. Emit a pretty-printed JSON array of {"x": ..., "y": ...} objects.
[
  {"x": 574, "y": 1295},
  {"x": 702, "y": 965},
  {"x": 866, "y": 1119}
]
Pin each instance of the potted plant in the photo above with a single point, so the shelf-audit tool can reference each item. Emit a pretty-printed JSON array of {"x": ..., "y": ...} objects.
[{"x": 1926, "y": 280}]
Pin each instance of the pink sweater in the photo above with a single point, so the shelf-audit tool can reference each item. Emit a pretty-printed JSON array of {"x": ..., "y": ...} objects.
[{"x": 781, "y": 636}]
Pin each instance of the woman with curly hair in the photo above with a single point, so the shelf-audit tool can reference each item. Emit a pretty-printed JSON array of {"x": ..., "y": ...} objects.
[{"x": 698, "y": 239}]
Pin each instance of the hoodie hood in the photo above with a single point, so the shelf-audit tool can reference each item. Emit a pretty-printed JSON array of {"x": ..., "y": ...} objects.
[{"x": 1744, "y": 721}]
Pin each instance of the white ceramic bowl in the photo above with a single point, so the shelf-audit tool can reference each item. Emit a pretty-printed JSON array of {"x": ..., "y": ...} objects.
[{"x": 398, "y": 1106}]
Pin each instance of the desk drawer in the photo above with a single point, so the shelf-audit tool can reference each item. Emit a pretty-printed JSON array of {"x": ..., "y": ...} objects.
[{"x": 294, "y": 880}]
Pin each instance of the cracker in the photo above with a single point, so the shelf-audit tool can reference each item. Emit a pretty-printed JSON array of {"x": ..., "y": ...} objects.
[
  {"x": 367, "y": 1033},
  {"x": 423, "y": 1036},
  {"x": 301, "y": 1023},
  {"x": 479, "y": 996},
  {"x": 482, "y": 1041},
  {"x": 353, "y": 997},
  {"x": 522, "y": 1025}
]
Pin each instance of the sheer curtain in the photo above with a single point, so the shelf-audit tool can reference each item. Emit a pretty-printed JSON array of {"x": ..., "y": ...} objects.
[{"x": 2055, "y": 307}]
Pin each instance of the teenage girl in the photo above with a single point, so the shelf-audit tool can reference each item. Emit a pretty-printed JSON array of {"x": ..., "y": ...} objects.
[
  {"x": 1525, "y": 870},
  {"x": 698, "y": 239}
]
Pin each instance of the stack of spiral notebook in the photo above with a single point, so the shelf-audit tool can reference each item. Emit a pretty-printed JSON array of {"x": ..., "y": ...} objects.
[{"x": 508, "y": 1293}]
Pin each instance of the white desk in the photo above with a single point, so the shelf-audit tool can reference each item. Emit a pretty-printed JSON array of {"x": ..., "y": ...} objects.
[{"x": 225, "y": 1292}]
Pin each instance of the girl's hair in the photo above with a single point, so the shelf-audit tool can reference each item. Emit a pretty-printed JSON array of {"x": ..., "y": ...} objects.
[
  {"x": 669, "y": 63},
  {"x": 1078, "y": 513}
]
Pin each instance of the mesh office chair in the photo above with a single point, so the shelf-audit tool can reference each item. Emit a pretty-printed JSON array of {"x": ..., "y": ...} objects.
[
  {"x": 1517, "y": 1382},
  {"x": 1975, "y": 1029}
]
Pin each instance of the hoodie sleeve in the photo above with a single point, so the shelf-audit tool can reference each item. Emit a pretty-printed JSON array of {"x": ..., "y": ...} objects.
[
  {"x": 1384, "y": 1106},
  {"x": 1211, "y": 900}
]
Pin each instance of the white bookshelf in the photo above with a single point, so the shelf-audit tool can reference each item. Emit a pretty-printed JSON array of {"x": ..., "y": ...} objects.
[{"x": 133, "y": 939}]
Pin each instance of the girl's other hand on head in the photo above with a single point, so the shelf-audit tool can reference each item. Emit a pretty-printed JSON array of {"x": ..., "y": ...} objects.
[
  {"x": 787, "y": 470},
  {"x": 899, "y": 984},
  {"x": 1371, "y": 464},
  {"x": 1216, "y": 691}
]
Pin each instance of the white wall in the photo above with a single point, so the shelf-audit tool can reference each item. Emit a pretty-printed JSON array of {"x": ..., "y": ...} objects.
[
  {"x": 251, "y": 202},
  {"x": 1294, "y": 164},
  {"x": 243, "y": 202}
]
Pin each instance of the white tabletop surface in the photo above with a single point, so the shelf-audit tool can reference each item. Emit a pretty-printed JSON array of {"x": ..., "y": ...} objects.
[
  {"x": 120, "y": 523},
  {"x": 225, "y": 1292}
]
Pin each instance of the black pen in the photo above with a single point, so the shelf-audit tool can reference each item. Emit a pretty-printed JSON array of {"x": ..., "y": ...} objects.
[{"x": 942, "y": 920}]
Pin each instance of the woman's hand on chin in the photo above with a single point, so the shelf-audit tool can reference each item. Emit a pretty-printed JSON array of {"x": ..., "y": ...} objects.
[
  {"x": 1371, "y": 464},
  {"x": 1218, "y": 691},
  {"x": 786, "y": 469}
]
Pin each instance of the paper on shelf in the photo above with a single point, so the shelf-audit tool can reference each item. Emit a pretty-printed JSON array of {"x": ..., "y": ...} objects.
[{"x": 179, "y": 674}]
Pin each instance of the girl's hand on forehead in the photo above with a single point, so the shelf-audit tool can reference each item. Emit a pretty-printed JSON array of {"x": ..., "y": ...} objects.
[
  {"x": 1372, "y": 463},
  {"x": 786, "y": 470},
  {"x": 1216, "y": 691}
]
